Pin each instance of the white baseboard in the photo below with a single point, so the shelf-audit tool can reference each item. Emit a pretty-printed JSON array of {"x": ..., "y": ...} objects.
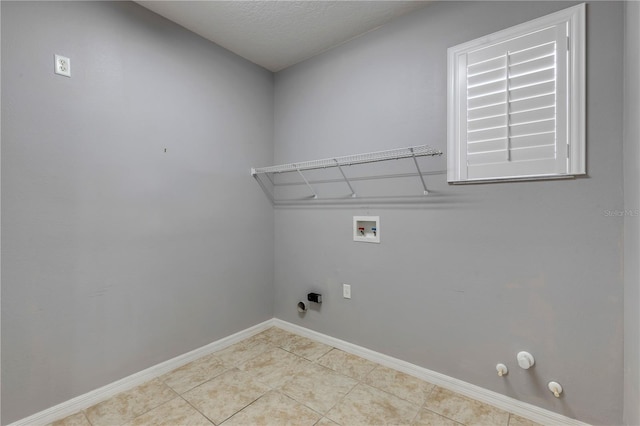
[
  {"x": 523, "y": 409},
  {"x": 96, "y": 396},
  {"x": 528, "y": 411}
]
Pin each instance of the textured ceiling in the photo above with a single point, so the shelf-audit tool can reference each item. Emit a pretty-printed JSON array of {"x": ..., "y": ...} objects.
[{"x": 277, "y": 34}]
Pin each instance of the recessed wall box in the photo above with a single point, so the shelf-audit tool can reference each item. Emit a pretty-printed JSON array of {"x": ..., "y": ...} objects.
[
  {"x": 314, "y": 297},
  {"x": 366, "y": 229}
]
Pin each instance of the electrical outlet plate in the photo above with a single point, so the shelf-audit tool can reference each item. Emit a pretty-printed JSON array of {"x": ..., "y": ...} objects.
[
  {"x": 62, "y": 66},
  {"x": 346, "y": 291}
]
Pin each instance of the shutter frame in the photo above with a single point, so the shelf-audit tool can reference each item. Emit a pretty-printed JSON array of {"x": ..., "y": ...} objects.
[{"x": 568, "y": 151}]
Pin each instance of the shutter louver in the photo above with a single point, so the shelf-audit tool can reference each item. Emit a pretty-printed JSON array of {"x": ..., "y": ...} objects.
[{"x": 511, "y": 107}]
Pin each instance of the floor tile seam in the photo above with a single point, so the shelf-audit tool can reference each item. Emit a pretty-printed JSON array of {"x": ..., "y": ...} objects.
[
  {"x": 201, "y": 383},
  {"x": 415, "y": 416},
  {"x": 258, "y": 378},
  {"x": 510, "y": 416},
  {"x": 325, "y": 417},
  {"x": 250, "y": 346},
  {"x": 420, "y": 406},
  {"x": 83, "y": 413},
  {"x": 342, "y": 375},
  {"x": 246, "y": 406},
  {"x": 302, "y": 356},
  {"x": 394, "y": 395},
  {"x": 196, "y": 408},
  {"x": 428, "y": 397},
  {"x": 243, "y": 361},
  {"x": 281, "y": 390},
  {"x": 176, "y": 395},
  {"x": 442, "y": 415},
  {"x": 340, "y": 401},
  {"x": 293, "y": 353},
  {"x": 472, "y": 400},
  {"x": 358, "y": 382}
]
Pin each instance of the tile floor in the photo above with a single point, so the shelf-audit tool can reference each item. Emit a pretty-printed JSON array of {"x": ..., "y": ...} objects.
[{"x": 279, "y": 378}]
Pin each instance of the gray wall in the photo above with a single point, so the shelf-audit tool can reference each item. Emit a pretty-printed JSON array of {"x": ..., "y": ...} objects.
[
  {"x": 631, "y": 225},
  {"x": 482, "y": 271},
  {"x": 115, "y": 254}
]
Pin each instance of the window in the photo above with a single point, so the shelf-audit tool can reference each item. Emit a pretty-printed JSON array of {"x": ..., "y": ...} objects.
[{"x": 517, "y": 102}]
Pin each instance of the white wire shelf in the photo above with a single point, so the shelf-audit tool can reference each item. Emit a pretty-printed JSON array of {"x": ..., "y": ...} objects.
[
  {"x": 348, "y": 160},
  {"x": 371, "y": 157}
]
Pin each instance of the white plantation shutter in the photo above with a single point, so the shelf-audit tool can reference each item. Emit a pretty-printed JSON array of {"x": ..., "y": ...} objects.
[{"x": 510, "y": 113}]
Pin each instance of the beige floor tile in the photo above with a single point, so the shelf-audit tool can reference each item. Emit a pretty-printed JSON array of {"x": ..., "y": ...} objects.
[
  {"x": 429, "y": 418},
  {"x": 275, "y": 367},
  {"x": 242, "y": 351},
  {"x": 325, "y": 422},
  {"x": 274, "y": 336},
  {"x": 347, "y": 364},
  {"x": 130, "y": 404},
  {"x": 172, "y": 413},
  {"x": 319, "y": 388},
  {"x": 520, "y": 421},
  {"x": 464, "y": 410},
  {"x": 270, "y": 379},
  {"x": 305, "y": 347},
  {"x": 365, "y": 405},
  {"x": 195, "y": 373},
  {"x": 223, "y": 396},
  {"x": 400, "y": 384},
  {"x": 77, "y": 419},
  {"x": 275, "y": 409}
]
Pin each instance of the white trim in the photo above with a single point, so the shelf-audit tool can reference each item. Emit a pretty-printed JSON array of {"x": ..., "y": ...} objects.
[
  {"x": 577, "y": 90},
  {"x": 93, "y": 397},
  {"x": 523, "y": 409}
]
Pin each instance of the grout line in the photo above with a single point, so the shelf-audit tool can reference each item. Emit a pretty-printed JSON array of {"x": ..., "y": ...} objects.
[
  {"x": 201, "y": 413},
  {"x": 86, "y": 417}
]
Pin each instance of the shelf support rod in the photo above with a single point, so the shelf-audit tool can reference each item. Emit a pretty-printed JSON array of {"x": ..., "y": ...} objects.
[
  {"x": 353, "y": 193},
  {"x": 424, "y": 185},
  {"x": 307, "y": 182},
  {"x": 268, "y": 193}
]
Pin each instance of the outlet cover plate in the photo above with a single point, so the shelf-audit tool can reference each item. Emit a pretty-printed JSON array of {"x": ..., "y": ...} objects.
[
  {"x": 346, "y": 291},
  {"x": 62, "y": 66}
]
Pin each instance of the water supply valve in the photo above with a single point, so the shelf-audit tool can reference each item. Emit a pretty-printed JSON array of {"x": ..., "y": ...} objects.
[
  {"x": 502, "y": 370},
  {"x": 555, "y": 388}
]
